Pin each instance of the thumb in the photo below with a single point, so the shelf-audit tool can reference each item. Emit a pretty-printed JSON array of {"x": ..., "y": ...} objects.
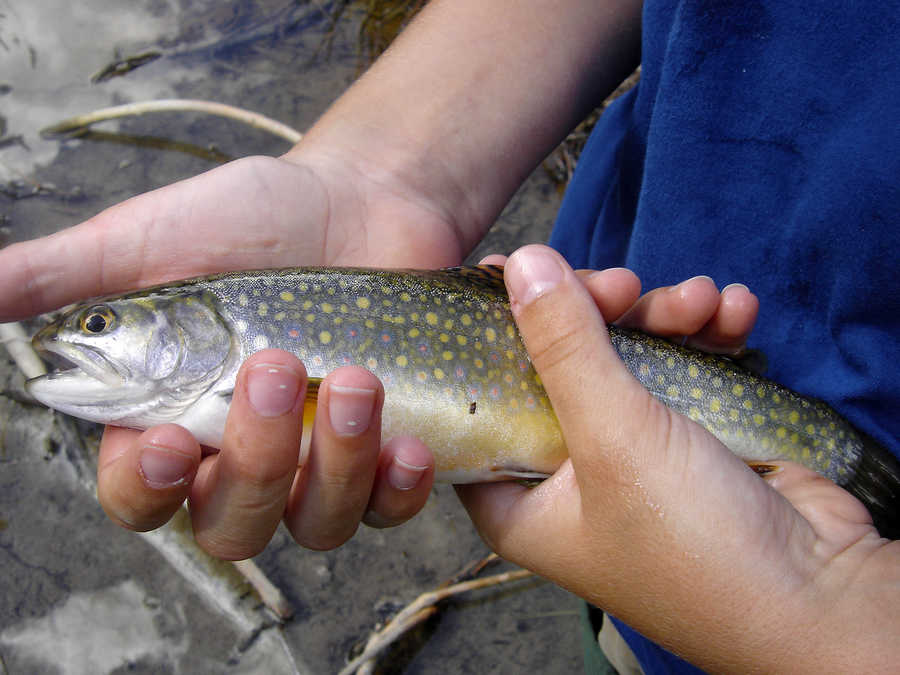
[{"x": 600, "y": 406}]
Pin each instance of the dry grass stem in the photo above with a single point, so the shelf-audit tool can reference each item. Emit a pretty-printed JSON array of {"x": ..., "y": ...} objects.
[
  {"x": 423, "y": 607},
  {"x": 81, "y": 123}
]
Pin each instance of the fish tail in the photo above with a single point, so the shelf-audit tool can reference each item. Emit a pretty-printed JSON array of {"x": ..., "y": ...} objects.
[{"x": 876, "y": 483}]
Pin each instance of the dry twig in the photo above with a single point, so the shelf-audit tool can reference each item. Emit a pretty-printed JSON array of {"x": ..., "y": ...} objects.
[
  {"x": 426, "y": 605},
  {"x": 79, "y": 124}
]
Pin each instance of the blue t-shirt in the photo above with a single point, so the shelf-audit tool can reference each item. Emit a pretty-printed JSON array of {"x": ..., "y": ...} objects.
[{"x": 762, "y": 145}]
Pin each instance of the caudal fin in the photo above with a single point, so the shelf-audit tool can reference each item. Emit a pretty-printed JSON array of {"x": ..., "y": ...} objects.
[{"x": 877, "y": 485}]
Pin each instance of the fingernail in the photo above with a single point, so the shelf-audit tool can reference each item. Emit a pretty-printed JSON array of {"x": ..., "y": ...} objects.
[
  {"x": 350, "y": 409},
  {"x": 725, "y": 290},
  {"x": 164, "y": 467},
  {"x": 692, "y": 279},
  {"x": 531, "y": 273},
  {"x": 272, "y": 389},
  {"x": 403, "y": 475}
]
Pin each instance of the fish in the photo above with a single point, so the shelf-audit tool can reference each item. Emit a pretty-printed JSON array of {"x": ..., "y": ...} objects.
[{"x": 445, "y": 346}]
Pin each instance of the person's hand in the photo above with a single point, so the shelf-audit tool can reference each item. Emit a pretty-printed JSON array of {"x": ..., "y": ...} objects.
[
  {"x": 253, "y": 213},
  {"x": 658, "y": 523}
]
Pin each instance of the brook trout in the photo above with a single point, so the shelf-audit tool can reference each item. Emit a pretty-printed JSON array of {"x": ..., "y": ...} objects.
[{"x": 454, "y": 369}]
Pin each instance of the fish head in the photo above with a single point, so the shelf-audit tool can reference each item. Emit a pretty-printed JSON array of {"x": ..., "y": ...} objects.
[{"x": 134, "y": 360}]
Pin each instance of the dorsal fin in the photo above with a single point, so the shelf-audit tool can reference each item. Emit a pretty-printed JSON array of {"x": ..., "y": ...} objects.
[
  {"x": 312, "y": 388},
  {"x": 485, "y": 276}
]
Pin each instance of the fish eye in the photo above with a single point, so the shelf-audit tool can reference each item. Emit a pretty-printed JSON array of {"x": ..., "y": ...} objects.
[{"x": 97, "y": 319}]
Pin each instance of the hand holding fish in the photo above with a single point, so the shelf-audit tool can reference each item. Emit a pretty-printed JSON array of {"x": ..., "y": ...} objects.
[{"x": 657, "y": 522}]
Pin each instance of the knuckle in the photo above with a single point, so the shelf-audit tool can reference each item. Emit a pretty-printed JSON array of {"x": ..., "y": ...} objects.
[{"x": 556, "y": 349}]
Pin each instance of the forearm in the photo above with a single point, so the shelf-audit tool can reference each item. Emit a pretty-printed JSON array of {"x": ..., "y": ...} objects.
[{"x": 473, "y": 95}]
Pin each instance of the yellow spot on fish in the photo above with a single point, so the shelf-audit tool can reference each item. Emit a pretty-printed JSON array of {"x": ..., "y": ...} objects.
[
  {"x": 263, "y": 309},
  {"x": 447, "y": 356},
  {"x": 370, "y": 323},
  {"x": 478, "y": 363},
  {"x": 696, "y": 392},
  {"x": 404, "y": 296},
  {"x": 510, "y": 332},
  {"x": 466, "y": 320},
  {"x": 672, "y": 391},
  {"x": 761, "y": 392},
  {"x": 280, "y": 316},
  {"x": 363, "y": 303},
  {"x": 734, "y": 415},
  {"x": 717, "y": 381},
  {"x": 438, "y": 373},
  {"x": 693, "y": 371},
  {"x": 715, "y": 405},
  {"x": 781, "y": 432},
  {"x": 243, "y": 300},
  {"x": 794, "y": 417},
  {"x": 443, "y": 337},
  {"x": 810, "y": 429},
  {"x": 287, "y": 296},
  {"x": 324, "y": 337},
  {"x": 670, "y": 362},
  {"x": 694, "y": 413},
  {"x": 738, "y": 390},
  {"x": 748, "y": 404},
  {"x": 413, "y": 332},
  {"x": 310, "y": 317},
  {"x": 327, "y": 307},
  {"x": 448, "y": 324},
  {"x": 758, "y": 419},
  {"x": 401, "y": 361},
  {"x": 307, "y": 304},
  {"x": 461, "y": 340},
  {"x": 644, "y": 370},
  {"x": 431, "y": 318},
  {"x": 490, "y": 334}
]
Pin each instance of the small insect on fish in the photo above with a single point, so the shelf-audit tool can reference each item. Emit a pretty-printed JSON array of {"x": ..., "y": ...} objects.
[{"x": 454, "y": 369}]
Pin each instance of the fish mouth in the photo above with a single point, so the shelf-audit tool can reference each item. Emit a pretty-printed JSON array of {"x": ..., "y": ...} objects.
[
  {"x": 83, "y": 378},
  {"x": 67, "y": 357}
]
